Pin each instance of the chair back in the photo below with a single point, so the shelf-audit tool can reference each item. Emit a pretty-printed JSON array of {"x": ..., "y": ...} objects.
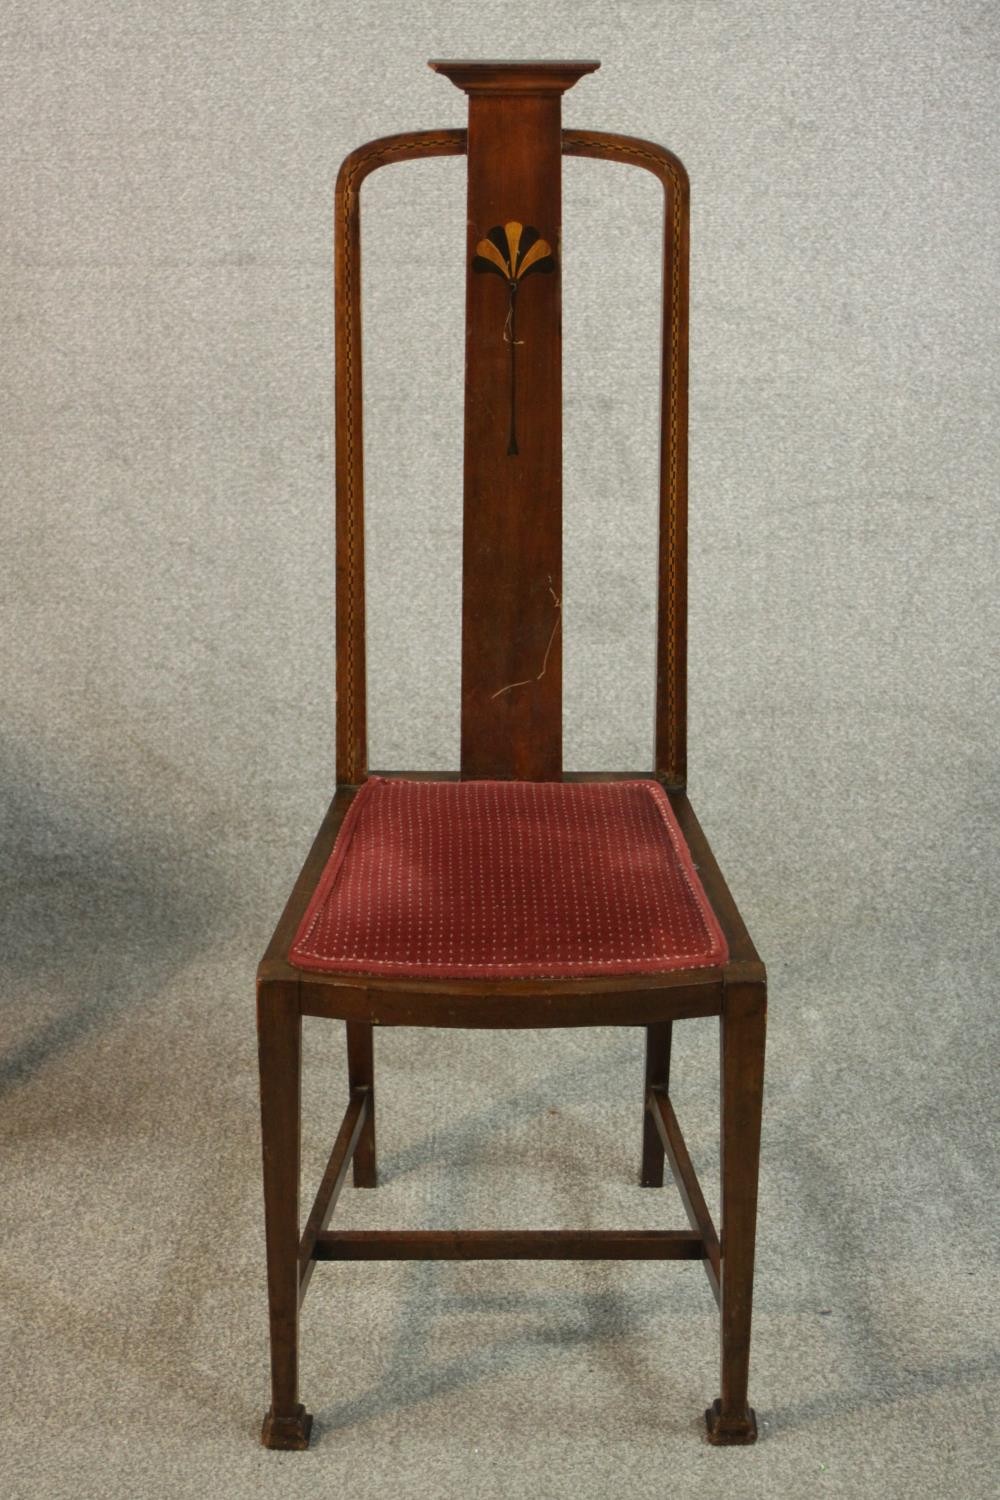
[{"x": 511, "y": 717}]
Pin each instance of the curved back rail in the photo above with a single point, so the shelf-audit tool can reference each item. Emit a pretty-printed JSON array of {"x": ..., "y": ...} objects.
[{"x": 670, "y": 762}]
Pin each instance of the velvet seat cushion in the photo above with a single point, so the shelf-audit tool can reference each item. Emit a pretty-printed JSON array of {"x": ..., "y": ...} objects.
[{"x": 508, "y": 879}]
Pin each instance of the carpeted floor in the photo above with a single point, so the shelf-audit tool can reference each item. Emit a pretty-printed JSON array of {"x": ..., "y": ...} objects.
[
  {"x": 134, "y": 1328},
  {"x": 166, "y": 710}
]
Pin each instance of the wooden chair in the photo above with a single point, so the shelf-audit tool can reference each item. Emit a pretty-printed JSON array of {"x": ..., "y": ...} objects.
[{"x": 509, "y": 894}]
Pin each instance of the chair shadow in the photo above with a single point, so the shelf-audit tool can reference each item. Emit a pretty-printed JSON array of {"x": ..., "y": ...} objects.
[
  {"x": 880, "y": 1377},
  {"x": 97, "y": 915},
  {"x": 410, "y": 1378},
  {"x": 597, "y": 1317},
  {"x": 102, "y": 915}
]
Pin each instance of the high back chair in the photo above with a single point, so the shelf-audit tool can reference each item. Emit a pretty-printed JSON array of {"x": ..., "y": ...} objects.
[{"x": 510, "y": 894}]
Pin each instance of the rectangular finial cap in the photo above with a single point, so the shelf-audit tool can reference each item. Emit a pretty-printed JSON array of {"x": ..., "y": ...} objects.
[{"x": 534, "y": 77}]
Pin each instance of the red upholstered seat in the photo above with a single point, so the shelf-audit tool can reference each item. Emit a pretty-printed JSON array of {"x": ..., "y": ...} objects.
[{"x": 508, "y": 879}]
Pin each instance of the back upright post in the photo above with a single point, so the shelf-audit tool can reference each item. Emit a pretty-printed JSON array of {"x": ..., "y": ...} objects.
[{"x": 512, "y": 554}]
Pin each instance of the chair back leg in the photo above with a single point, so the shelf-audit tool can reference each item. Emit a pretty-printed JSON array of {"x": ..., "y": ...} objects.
[
  {"x": 361, "y": 1074},
  {"x": 658, "y": 1039}
]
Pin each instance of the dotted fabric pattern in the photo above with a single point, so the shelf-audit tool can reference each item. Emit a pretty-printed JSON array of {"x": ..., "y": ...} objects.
[{"x": 508, "y": 879}]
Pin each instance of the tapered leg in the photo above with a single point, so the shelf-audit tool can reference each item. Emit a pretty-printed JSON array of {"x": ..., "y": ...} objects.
[
  {"x": 743, "y": 1021},
  {"x": 279, "y": 1034},
  {"x": 361, "y": 1074},
  {"x": 658, "y": 1037}
]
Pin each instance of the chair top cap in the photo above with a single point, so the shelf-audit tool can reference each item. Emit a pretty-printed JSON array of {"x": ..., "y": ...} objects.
[{"x": 551, "y": 76}]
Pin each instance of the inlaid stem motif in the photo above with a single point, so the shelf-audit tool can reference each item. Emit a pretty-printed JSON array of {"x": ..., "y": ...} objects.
[{"x": 513, "y": 251}]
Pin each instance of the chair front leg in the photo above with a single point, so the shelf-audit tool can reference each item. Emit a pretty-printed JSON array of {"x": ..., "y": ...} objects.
[
  {"x": 743, "y": 1023},
  {"x": 279, "y": 1033}
]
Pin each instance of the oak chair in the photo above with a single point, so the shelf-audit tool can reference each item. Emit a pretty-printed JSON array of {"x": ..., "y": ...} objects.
[{"x": 509, "y": 894}]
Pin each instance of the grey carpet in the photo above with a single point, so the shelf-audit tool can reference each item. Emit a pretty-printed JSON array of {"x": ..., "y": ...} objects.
[{"x": 167, "y": 582}]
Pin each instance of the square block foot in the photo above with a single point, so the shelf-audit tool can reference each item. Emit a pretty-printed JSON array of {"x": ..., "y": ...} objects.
[
  {"x": 726, "y": 1431},
  {"x": 287, "y": 1432}
]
